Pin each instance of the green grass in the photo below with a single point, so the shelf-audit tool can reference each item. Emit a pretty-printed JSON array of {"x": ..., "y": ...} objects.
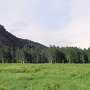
[{"x": 44, "y": 76}]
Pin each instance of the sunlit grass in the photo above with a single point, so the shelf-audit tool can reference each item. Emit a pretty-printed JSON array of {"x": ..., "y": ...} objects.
[{"x": 44, "y": 77}]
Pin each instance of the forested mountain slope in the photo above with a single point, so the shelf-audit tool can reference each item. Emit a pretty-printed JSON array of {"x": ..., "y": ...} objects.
[
  {"x": 16, "y": 50},
  {"x": 7, "y": 39}
]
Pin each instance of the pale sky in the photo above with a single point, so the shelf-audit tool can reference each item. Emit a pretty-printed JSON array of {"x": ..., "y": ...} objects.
[{"x": 56, "y": 22}]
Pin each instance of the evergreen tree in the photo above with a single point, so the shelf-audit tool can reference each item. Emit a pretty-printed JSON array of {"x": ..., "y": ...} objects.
[{"x": 20, "y": 56}]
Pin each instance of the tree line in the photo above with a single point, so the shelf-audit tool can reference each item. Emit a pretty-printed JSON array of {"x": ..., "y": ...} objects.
[{"x": 52, "y": 54}]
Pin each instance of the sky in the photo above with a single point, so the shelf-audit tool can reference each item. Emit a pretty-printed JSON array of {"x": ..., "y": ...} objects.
[{"x": 56, "y": 22}]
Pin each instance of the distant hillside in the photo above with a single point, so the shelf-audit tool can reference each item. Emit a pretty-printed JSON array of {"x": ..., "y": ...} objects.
[
  {"x": 16, "y": 50},
  {"x": 7, "y": 39}
]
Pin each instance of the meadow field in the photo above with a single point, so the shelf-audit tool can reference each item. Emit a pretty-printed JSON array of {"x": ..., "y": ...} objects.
[{"x": 44, "y": 76}]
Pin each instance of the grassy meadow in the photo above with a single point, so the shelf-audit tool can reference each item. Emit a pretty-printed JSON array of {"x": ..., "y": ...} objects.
[{"x": 44, "y": 76}]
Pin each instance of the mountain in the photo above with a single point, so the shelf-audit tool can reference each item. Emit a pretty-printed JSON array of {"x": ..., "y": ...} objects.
[{"x": 8, "y": 39}]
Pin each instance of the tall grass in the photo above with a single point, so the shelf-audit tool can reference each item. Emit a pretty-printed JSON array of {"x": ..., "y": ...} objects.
[{"x": 44, "y": 77}]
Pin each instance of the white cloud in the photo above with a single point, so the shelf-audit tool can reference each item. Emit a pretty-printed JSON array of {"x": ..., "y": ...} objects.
[
  {"x": 76, "y": 33},
  {"x": 34, "y": 32},
  {"x": 37, "y": 19},
  {"x": 10, "y": 12}
]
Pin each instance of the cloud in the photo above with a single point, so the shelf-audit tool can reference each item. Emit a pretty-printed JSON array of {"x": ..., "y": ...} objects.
[
  {"x": 59, "y": 22},
  {"x": 11, "y": 12},
  {"x": 50, "y": 13},
  {"x": 76, "y": 32},
  {"x": 34, "y": 32}
]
